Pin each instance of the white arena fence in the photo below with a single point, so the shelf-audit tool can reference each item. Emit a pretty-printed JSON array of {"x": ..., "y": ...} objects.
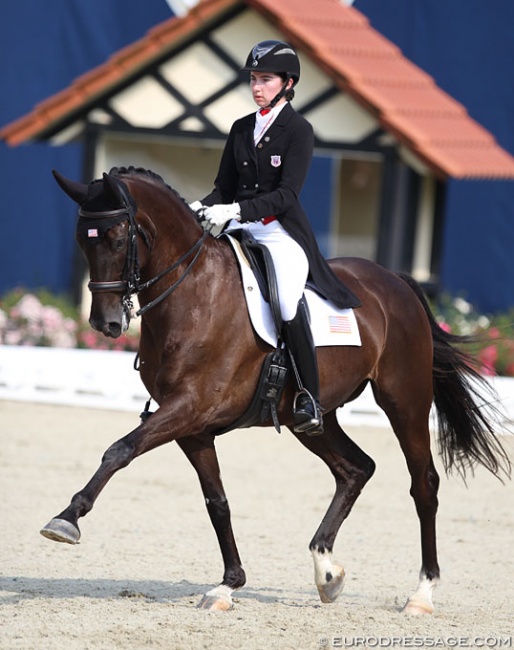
[{"x": 107, "y": 380}]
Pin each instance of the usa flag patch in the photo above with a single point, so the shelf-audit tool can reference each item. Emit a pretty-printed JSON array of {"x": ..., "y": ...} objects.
[
  {"x": 92, "y": 232},
  {"x": 339, "y": 324}
]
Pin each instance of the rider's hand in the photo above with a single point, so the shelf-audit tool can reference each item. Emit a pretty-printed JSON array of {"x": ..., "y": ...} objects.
[
  {"x": 219, "y": 214},
  {"x": 196, "y": 206}
]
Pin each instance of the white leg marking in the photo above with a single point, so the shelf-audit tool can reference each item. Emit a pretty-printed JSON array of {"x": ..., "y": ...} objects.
[
  {"x": 219, "y": 598},
  {"x": 421, "y": 601},
  {"x": 329, "y": 577}
]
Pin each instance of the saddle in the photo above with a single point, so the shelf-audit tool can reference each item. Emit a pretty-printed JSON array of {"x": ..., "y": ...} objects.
[
  {"x": 261, "y": 263},
  {"x": 275, "y": 367}
]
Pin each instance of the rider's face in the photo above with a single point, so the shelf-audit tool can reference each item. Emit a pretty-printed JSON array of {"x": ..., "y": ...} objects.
[{"x": 265, "y": 86}]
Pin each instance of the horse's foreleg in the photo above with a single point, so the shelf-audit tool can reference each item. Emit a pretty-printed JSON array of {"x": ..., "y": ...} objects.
[
  {"x": 154, "y": 432},
  {"x": 201, "y": 453},
  {"x": 64, "y": 527},
  {"x": 352, "y": 469}
]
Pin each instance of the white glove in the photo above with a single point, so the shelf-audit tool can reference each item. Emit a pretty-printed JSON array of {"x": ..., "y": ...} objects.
[
  {"x": 196, "y": 205},
  {"x": 219, "y": 214}
]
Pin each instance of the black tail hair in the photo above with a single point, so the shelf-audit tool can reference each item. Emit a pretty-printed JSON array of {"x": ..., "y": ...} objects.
[{"x": 465, "y": 403}]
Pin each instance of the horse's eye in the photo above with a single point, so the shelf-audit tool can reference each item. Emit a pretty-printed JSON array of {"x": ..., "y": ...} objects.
[{"x": 119, "y": 244}]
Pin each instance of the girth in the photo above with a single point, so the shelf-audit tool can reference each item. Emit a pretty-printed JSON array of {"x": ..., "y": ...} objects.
[{"x": 266, "y": 398}]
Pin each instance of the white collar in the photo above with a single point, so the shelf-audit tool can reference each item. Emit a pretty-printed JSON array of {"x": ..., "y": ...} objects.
[
  {"x": 272, "y": 114},
  {"x": 263, "y": 122}
]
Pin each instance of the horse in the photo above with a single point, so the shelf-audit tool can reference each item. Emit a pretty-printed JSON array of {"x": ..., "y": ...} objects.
[{"x": 199, "y": 359}]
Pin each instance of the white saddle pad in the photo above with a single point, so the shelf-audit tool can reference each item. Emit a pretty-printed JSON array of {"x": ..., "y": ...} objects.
[{"x": 330, "y": 326}]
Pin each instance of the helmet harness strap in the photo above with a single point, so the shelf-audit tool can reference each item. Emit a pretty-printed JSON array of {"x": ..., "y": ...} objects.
[{"x": 281, "y": 94}]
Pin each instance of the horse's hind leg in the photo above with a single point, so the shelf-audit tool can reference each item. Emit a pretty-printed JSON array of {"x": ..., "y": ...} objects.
[
  {"x": 352, "y": 469},
  {"x": 424, "y": 488},
  {"x": 409, "y": 419},
  {"x": 202, "y": 455}
]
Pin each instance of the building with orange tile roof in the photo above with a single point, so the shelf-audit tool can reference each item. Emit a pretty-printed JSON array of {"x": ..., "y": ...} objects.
[{"x": 393, "y": 138}]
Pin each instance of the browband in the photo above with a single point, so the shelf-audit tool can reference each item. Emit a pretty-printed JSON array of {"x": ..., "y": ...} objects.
[{"x": 102, "y": 215}]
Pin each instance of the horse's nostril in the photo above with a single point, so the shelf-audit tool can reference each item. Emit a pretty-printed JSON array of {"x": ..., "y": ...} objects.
[{"x": 112, "y": 329}]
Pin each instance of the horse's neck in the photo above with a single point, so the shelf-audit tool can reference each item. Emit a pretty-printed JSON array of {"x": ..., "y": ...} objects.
[{"x": 174, "y": 230}]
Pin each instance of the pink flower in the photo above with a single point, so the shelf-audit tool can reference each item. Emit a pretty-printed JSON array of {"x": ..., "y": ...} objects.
[
  {"x": 51, "y": 317},
  {"x": 488, "y": 358},
  {"x": 28, "y": 307},
  {"x": 70, "y": 325},
  {"x": 88, "y": 338},
  {"x": 493, "y": 333},
  {"x": 13, "y": 337}
]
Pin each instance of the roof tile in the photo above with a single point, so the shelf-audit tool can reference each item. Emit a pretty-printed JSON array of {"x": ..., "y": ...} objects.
[
  {"x": 412, "y": 101},
  {"x": 443, "y": 131}
]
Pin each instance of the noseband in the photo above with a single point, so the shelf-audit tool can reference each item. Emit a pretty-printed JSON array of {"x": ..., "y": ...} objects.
[{"x": 130, "y": 284}]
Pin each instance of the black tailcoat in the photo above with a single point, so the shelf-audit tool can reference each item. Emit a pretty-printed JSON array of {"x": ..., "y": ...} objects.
[{"x": 266, "y": 181}]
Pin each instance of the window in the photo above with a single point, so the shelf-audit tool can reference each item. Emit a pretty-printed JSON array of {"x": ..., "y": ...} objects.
[{"x": 356, "y": 208}]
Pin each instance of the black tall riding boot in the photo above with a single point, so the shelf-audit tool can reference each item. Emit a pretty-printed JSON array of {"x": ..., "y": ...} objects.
[{"x": 298, "y": 338}]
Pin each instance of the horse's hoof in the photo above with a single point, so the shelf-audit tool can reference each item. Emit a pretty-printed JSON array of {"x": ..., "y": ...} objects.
[
  {"x": 215, "y": 604},
  {"x": 329, "y": 591},
  {"x": 60, "y": 530},
  {"x": 217, "y": 600},
  {"x": 417, "y": 607}
]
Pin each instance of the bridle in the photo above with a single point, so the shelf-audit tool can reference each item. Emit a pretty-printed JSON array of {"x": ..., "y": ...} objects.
[{"x": 131, "y": 284}]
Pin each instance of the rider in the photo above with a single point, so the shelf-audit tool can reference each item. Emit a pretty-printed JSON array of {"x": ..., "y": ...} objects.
[{"x": 261, "y": 173}]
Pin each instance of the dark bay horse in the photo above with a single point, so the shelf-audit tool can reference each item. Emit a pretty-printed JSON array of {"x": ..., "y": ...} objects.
[{"x": 200, "y": 360}]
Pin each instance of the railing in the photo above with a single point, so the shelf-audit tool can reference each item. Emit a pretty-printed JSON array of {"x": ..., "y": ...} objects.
[
  {"x": 107, "y": 380},
  {"x": 92, "y": 378}
]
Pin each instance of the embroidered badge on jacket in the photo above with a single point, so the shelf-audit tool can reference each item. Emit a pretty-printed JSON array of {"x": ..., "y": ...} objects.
[{"x": 276, "y": 161}]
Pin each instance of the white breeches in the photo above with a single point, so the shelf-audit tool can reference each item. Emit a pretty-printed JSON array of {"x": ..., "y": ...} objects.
[{"x": 291, "y": 265}]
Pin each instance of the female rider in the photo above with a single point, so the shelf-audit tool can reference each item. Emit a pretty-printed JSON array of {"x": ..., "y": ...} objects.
[{"x": 261, "y": 173}]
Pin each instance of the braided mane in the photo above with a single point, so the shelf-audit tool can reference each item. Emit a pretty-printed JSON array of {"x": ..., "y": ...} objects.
[{"x": 141, "y": 171}]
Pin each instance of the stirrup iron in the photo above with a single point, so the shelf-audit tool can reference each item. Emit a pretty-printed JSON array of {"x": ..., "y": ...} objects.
[{"x": 307, "y": 420}]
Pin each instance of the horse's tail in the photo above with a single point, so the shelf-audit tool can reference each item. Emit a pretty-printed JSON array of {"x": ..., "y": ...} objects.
[{"x": 466, "y": 433}]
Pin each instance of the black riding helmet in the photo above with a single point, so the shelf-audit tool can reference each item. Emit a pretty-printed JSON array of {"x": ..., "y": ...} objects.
[{"x": 277, "y": 57}]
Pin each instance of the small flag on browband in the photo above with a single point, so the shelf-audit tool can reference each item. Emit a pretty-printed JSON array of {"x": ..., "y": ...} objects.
[{"x": 92, "y": 232}]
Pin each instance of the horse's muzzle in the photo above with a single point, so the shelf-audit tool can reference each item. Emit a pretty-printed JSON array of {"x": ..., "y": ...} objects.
[{"x": 109, "y": 315}]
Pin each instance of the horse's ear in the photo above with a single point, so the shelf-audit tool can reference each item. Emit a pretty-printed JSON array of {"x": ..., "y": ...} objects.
[
  {"x": 112, "y": 189},
  {"x": 76, "y": 191}
]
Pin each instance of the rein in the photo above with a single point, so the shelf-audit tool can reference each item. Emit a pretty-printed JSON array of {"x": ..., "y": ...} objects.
[
  {"x": 197, "y": 246},
  {"x": 131, "y": 284}
]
